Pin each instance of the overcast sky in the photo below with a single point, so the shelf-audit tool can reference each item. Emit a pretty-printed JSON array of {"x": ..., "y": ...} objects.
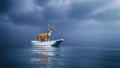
[{"x": 74, "y": 20}]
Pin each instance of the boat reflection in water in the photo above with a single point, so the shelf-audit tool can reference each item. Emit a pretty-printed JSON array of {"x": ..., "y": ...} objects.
[{"x": 46, "y": 56}]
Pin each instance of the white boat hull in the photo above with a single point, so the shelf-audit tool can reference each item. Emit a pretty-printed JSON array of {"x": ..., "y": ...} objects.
[{"x": 48, "y": 43}]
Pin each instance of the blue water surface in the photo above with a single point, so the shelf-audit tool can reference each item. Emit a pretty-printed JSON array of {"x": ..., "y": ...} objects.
[{"x": 24, "y": 55}]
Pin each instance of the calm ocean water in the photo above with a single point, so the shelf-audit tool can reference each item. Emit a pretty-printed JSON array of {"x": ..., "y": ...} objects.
[{"x": 67, "y": 56}]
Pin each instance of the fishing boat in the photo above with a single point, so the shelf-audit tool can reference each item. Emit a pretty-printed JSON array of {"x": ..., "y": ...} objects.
[{"x": 54, "y": 43}]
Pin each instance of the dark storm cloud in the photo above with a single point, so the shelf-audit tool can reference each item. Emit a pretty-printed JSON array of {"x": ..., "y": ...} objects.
[
  {"x": 40, "y": 15},
  {"x": 26, "y": 19},
  {"x": 108, "y": 12},
  {"x": 5, "y": 6},
  {"x": 3, "y": 33},
  {"x": 43, "y": 12},
  {"x": 83, "y": 11},
  {"x": 41, "y": 2},
  {"x": 108, "y": 16},
  {"x": 39, "y": 12}
]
